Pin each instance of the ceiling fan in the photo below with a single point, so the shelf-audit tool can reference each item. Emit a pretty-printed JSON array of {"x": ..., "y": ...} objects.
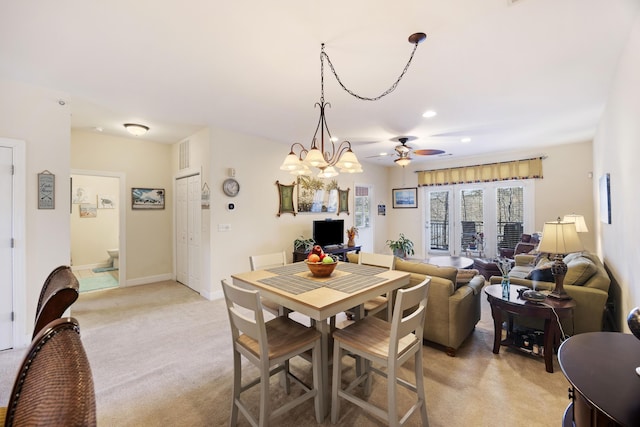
[{"x": 404, "y": 151}]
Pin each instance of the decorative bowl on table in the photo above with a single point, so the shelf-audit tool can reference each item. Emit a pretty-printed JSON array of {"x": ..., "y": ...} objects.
[{"x": 321, "y": 269}]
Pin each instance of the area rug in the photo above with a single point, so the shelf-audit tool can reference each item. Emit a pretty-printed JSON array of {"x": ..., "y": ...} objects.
[
  {"x": 97, "y": 282},
  {"x": 103, "y": 269}
]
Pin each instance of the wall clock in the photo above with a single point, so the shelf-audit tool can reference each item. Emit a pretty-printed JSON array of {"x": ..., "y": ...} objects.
[{"x": 231, "y": 187}]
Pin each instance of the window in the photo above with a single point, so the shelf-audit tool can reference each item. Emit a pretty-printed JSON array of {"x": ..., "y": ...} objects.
[{"x": 362, "y": 209}]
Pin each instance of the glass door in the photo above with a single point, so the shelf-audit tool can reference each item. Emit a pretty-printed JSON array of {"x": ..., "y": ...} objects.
[
  {"x": 438, "y": 210},
  {"x": 470, "y": 225}
]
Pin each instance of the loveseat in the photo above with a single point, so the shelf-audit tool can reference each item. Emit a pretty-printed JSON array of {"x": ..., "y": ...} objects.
[
  {"x": 453, "y": 308},
  {"x": 586, "y": 281}
]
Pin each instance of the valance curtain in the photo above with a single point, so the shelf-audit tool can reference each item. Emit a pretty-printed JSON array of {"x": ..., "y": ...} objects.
[{"x": 517, "y": 169}]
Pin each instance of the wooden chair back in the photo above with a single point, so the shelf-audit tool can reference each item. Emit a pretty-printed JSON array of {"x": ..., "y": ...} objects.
[
  {"x": 54, "y": 386},
  {"x": 261, "y": 262},
  {"x": 378, "y": 260},
  {"x": 245, "y": 315},
  {"x": 408, "y": 315},
  {"x": 59, "y": 291}
]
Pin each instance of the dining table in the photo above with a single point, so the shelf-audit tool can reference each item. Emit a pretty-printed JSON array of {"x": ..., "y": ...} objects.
[{"x": 320, "y": 298}]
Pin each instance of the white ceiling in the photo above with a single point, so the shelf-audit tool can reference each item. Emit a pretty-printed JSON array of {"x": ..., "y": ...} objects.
[{"x": 508, "y": 74}]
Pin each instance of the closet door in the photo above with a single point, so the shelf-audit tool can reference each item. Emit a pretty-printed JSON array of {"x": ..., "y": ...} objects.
[
  {"x": 6, "y": 250},
  {"x": 188, "y": 231}
]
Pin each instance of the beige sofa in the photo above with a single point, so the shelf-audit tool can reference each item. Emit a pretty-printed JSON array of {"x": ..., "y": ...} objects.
[
  {"x": 586, "y": 281},
  {"x": 453, "y": 309}
]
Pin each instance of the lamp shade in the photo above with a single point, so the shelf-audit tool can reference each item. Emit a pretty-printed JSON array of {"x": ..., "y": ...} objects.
[
  {"x": 560, "y": 238},
  {"x": 348, "y": 161},
  {"x": 315, "y": 158},
  {"x": 578, "y": 220},
  {"x": 291, "y": 163},
  {"x": 403, "y": 161},
  {"x": 136, "y": 129}
]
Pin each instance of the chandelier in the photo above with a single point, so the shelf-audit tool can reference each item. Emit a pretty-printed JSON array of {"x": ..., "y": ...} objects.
[{"x": 323, "y": 153}]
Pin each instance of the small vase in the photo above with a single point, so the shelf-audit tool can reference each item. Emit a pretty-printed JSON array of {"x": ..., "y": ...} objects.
[
  {"x": 351, "y": 243},
  {"x": 506, "y": 287}
]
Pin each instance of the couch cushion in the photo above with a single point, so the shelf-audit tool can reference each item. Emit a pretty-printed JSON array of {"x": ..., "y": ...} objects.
[
  {"x": 448, "y": 273},
  {"x": 541, "y": 274},
  {"x": 579, "y": 270},
  {"x": 465, "y": 275}
]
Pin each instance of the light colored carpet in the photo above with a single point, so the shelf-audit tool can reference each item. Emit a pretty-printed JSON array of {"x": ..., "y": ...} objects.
[{"x": 160, "y": 355}]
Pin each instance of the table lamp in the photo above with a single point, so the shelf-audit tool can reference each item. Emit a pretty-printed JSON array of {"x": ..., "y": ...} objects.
[
  {"x": 559, "y": 238},
  {"x": 581, "y": 225}
]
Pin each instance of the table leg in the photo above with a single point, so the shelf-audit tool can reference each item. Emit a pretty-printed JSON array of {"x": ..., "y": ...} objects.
[
  {"x": 496, "y": 313},
  {"x": 549, "y": 340},
  {"x": 323, "y": 327}
]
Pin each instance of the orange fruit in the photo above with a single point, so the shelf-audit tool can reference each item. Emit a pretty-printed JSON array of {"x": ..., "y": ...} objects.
[{"x": 313, "y": 258}]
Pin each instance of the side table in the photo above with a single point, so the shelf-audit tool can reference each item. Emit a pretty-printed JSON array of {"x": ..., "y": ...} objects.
[
  {"x": 339, "y": 251},
  {"x": 519, "y": 307},
  {"x": 600, "y": 366}
]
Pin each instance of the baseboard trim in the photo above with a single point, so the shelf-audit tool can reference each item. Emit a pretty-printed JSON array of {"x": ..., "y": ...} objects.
[{"x": 149, "y": 279}]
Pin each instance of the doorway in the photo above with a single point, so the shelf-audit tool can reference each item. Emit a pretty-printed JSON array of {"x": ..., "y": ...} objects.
[{"x": 98, "y": 228}]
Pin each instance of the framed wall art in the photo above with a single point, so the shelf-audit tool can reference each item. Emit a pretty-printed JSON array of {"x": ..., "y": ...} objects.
[
  {"x": 46, "y": 190},
  {"x": 343, "y": 201},
  {"x": 404, "y": 197},
  {"x": 605, "y": 198},
  {"x": 147, "y": 198},
  {"x": 285, "y": 198},
  {"x": 316, "y": 195}
]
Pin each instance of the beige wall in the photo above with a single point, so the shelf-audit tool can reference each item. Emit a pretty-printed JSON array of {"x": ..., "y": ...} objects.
[
  {"x": 91, "y": 237},
  {"x": 34, "y": 115},
  {"x": 616, "y": 151},
  {"x": 566, "y": 188},
  {"x": 149, "y": 244}
]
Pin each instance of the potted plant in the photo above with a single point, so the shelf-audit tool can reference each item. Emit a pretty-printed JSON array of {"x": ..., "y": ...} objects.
[
  {"x": 303, "y": 245},
  {"x": 401, "y": 247}
]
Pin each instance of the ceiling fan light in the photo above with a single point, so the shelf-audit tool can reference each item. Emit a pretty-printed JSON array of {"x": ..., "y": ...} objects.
[
  {"x": 403, "y": 161},
  {"x": 136, "y": 129}
]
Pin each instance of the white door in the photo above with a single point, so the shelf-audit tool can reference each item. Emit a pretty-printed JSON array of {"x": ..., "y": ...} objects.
[
  {"x": 182, "y": 217},
  {"x": 6, "y": 251},
  {"x": 188, "y": 231}
]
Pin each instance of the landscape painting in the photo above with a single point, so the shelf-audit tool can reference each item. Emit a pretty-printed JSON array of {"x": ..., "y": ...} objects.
[
  {"x": 147, "y": 198},
  {"x": 316, "y": 195}
]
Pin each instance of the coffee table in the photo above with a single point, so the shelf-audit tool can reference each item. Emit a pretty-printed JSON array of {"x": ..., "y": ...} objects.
[
  {"x": 450, "y": 261},
  {"x": 546, "y": 310}
]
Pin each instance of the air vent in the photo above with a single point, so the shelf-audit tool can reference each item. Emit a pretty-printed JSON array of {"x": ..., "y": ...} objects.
[{"x": 184, "y": 155}]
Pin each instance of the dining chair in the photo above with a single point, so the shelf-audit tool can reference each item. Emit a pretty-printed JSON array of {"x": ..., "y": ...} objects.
[
  {"x": 261, "y": 262},
  {"x": 59, "y": 291},
  {"x": 269, "y": 346},
  {"x": 54, "y": 385},
  {"x": 387, "y": 345},
  {"x": 381, "y": 302}
]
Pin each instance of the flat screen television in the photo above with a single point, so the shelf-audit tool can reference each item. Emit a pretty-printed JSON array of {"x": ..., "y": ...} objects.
[{"x": 328, "y": 232}]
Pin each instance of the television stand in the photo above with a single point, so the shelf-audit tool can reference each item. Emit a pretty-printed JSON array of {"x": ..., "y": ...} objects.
[{"x": 339, "y": 250}]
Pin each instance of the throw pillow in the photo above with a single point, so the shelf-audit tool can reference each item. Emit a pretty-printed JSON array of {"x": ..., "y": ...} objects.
[
  {"x": 579, "y": 270},
  {"x": 464, "y": 276},
  {"x": 542, "y": 272}
]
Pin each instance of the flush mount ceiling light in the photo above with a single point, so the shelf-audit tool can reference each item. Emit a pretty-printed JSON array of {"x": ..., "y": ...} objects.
[
  {"x": 328, "y": 158},
  {"x": 136, "y": 129}
]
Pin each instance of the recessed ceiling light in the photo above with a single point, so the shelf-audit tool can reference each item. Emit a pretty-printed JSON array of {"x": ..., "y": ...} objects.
[
  {"x": 384, "y": 154},
  {"x": 465, "y": 139},
  {"x": 334, "y": 139},
  {"x": 429, "y": 113},
  {"x": 98, "y": 129}
]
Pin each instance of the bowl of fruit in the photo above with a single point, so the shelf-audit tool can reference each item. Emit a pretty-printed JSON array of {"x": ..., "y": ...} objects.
[{"x": 319, "y": 263}]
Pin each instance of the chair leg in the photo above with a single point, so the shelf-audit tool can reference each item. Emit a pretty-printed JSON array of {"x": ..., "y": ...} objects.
[
  {"x": 235, "y": 393},
  {"x": 337, "y": 382},
  {"x": 265, "y": 411},
  {"x": 316, "y": 360},
  {"x": 392, "y": 411},
  {"x": 285, "y": 378},
  {"x": 369, "y": 380},
  {"x": 420, "y": 388}
]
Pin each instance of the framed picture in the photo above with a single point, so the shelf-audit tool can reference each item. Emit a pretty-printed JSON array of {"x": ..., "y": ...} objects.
[
  {"x": 605, "y": 198},
  {"x": 285, "y": 198},
  {"x": 46, "y": 190},
  {"x": 343, "y": 201},
  {"x": 147, "y": 198},
  {"x": 106, "y": 201},
  {"x": 88, "y": 210},
  {"x": 317, "y": 195},
  {"x": 404, "y": 197}
]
